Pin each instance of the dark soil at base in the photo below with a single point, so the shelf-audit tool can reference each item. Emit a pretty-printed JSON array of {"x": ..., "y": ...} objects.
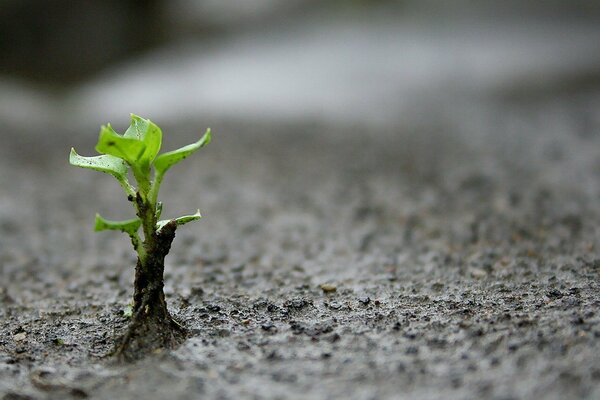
[{"x": 432, "y": 261}]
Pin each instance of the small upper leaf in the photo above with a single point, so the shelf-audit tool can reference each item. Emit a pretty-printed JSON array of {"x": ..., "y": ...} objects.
[
  {"x": 147, "y": 132},
  {"x": 166, "y": 160},
  {"x": 137, "y": 129},
  {"x": 116, "y": 145},
  {"x": 179, "y": 221},
  {"x": 106, "y": 163},
  {"x": 129, "y": 226}
]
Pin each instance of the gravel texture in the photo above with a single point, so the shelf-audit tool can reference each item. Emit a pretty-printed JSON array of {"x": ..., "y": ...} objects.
[{"x": 454, "y": 258}]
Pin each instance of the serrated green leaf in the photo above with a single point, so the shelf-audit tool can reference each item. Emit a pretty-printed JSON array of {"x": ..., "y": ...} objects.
[
  {"x": 106, "y": 163},
  {"x": 166, "y": 160},
  {"x": 147, "y": 132},
  {"x": 179, "y": 221},
  {"x": 129, "y": 226},
  {"x": 137, "y": 129},
  {"x": 153, "y": 141},
  {"x": 113, "y": 144}
]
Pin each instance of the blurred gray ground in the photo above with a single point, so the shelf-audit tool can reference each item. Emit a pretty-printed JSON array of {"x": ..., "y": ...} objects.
[{"x": 370, "y": 63}]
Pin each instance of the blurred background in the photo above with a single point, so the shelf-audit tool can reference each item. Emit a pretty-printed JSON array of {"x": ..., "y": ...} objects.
[
  {"x": 434, "y": 92},
  {"x": 371, "y": 62}
]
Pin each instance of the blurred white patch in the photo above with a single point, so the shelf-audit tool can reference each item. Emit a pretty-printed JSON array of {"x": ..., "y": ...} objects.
[{"x": 349, "y": 71}]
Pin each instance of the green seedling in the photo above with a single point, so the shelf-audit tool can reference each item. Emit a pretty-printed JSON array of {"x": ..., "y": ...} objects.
[{"x": 137, "y": 150}]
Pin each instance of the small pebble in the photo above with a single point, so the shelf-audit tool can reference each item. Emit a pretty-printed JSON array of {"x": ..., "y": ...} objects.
[
  {"x": 478, "y": 273},
  {"x": 328, "y": 288},
  {"x": 364, "y": 300},
  {"x": 19, "y": 337}
]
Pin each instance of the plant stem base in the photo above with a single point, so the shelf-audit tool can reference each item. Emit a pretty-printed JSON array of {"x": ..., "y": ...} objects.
[
  {"x": 152, "y": 326},
  {"x": 148, "y": 333}
]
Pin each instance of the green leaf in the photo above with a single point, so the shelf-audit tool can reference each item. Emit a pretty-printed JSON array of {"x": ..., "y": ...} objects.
[
  {"x": 116, "y": 145},
  {"x": 108, "y": 164},
  {"x": 147, "y": 132},
  {"x": 129, "y": 226},
  {"x": 166, "y": 160},
  {"x": 179, "y": 221},
  {"x": 137, "y": 129}
]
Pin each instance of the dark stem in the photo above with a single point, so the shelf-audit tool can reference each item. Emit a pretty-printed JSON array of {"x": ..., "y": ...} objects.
[
  {"x": 149, "y": 274},
  {"x": 152, "y": 326}
]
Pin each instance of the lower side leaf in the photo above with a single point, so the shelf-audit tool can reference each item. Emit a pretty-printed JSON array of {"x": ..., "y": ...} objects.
[
  {"x": 179, "y": 221},
  {"x": 129, "y": 226}
]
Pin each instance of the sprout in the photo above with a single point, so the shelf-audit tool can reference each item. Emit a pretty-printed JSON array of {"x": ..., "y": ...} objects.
[{"x": 137, "y": 150}]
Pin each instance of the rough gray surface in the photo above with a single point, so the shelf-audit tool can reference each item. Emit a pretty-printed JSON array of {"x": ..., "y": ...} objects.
[{"x": 463, "y": 253}]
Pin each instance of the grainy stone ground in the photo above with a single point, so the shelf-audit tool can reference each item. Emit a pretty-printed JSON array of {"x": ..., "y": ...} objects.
[{"x": 456, "y": 258}]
